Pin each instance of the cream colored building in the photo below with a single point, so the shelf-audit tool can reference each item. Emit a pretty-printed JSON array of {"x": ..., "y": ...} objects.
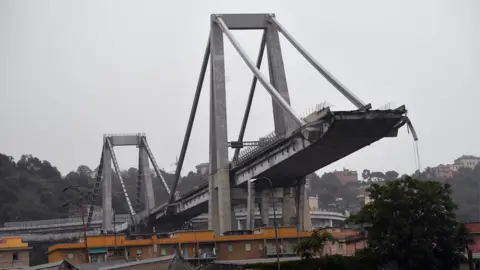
[
  {"x": 14, "y": 253},
  {"x": 313, "y": 202},
  {"x": 467, "y": 161}
]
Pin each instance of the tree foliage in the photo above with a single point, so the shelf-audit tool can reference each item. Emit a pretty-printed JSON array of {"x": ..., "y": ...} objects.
[
  {"x": 27, "y": 189},
  {"x": 412, "y": 223},
  {"x": 466, "y": 192},
  {"x": 313, "y": 246},
  {"x": 328, "y": 188},
  {"x": 391, "y": 175}
]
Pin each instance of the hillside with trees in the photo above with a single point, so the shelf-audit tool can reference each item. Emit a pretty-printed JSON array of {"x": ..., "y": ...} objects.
[
  {"x": 466, "y": 191},
  {"x": 31, "y": 189}
]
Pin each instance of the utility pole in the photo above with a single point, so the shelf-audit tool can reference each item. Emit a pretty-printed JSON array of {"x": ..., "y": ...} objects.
[
  {"x": 114, "y": 231},
  {"x": 82, "y": 207},
  {"x": 87, "y": 259}
]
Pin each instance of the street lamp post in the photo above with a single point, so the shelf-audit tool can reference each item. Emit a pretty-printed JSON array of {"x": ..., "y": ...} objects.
[
  {"x": 274, "y": 216},
  {"x": 82, "y": 210}
]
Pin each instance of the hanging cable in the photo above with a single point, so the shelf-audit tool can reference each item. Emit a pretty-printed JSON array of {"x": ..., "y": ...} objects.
[
  {"x": 415, "y": 155},
  {"x": 419, "y": 167},
  {"x": 415, "y": 143}
]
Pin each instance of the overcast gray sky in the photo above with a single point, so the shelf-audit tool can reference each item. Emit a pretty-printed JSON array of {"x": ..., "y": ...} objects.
[{"x": 71, "y": 71}]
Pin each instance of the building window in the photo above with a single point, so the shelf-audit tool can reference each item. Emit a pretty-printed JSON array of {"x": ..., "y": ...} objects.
[
  {"x": 139, "y": 252},
  {"x": 248, "y": 247},
  {"x": 230, "y": 248},
  {"x": 163, "y": 251},
  {"x": 70, "y": 256},
  {"x": 340, "y": 245},
  {"x": 260, "y": 246},
  {"x": 15, "y": 256}
]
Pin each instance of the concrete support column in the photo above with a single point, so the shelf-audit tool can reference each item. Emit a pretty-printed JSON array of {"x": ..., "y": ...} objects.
[
  {"x": 220, "y": 206},
  {"x": 146, "y": 179},
  {"x": 213, "y": 223},
  {"x": 224, "y": 201},
  {"x": 107, "y": 190},
  {"x": 288, "y": 207},
  {"x": 277, "y": 78},
  {"x": 303, "y": 211},
  {"x": 265, "y": 197},
  {"x": 250, "y": 225}
]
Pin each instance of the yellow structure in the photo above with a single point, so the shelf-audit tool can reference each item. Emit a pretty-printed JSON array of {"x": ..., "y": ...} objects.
[
  {"x": 14, "y": 253},
  {"x": 194, "y": 245}
]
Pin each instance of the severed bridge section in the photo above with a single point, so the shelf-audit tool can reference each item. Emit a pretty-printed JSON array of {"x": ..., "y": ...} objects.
[{"x": 297, "y": 147}]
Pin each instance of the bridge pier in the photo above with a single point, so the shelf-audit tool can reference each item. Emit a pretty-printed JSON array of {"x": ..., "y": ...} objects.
[
  {"x": 250, "y": 206},
  {"x": 220, "y": 204},
  {"x": 265, "y": 196},
  {"x": 304, "y": 222},
  {"x": 107, "y": 190},
  {"x": 146, "y": 178},
  {"x": 220, "y": 218},
  {"x": 288, "y": 207}
]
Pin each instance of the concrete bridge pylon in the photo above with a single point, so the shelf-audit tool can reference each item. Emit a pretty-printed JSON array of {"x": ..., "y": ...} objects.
[{"x": 104, "y": 178}]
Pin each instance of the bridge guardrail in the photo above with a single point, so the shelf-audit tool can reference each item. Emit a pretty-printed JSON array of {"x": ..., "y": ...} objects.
[
  {"x": 271, "y": 138},
  {"x": 49, "y": 223},
  {"x": 251, "y": 151}
]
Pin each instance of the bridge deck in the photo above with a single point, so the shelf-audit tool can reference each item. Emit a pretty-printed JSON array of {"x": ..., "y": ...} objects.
[{"x": 348, "y": 132}]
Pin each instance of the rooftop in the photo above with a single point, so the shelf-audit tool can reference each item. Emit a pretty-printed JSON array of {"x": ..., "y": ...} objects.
[
  {"x": 192, "y": 237},
  {"x": 253, "y": 261},
  {"x": 204, "y": 164},
  {"x": 466, "y": 157},
  {"x": 12, "y": 242}
]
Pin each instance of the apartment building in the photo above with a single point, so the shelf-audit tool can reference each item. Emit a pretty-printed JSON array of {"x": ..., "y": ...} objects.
[
  {"x": 202, "y": 168},
  {"x": 198, "y": 247},
  {"x": 443, "y": 171},
  {"x": 346, "y": 176}
]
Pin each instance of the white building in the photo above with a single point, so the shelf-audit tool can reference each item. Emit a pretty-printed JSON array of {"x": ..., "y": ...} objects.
[
  {"x": 202, "y": 168},
  {"x": 313, "y": 202},
  {"x": 467, "y": 161}
]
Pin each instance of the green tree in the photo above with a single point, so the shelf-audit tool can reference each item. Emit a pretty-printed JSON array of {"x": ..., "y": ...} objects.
[
  {"x": 366, "y": 175},
  {"x": 391, "y": 175},
  {"x": 412, "y": 223},
  {"x": 466, "y": 191},
  {"x": 313, "y": 246}
]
